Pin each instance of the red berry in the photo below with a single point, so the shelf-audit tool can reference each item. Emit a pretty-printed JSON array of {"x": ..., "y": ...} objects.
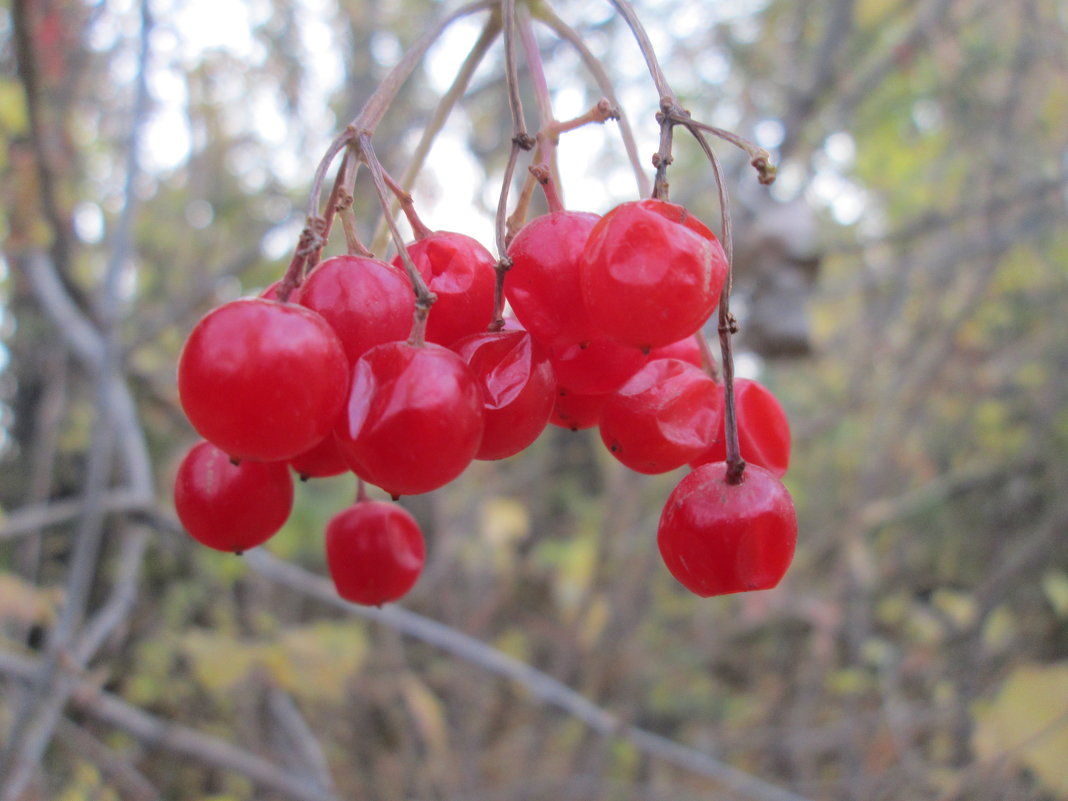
[
  {"x": 462, "y": 274},
  {"x": 518, "y": 389},
  {"x": 231, "y": 507},
  {"x": 414, "y": 418},
  {"x": 575, "y": 411},
  {"x": 718, "y": 538},
  {"x": 763, "y": 429},
  {"x": 663, "y": 417},
  {"x": 686, "y": 349},
  {"x": 262, "y": 380},
  {"x": 595, "y": 366},
  {"x": 320, "y": 461},
  {"x": 651, "y": 273},
  {"x": 375, "y": 552},
  {"x": 542, "y": 285},
  {"x": 366, "y": 301}
]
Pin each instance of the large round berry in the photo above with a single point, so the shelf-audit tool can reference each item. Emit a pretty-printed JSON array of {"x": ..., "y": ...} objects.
[
  {"x": 718, "y": 538},
  {"x": 518, "y": 389},
  {"x": 763, "y": 430},
  {"x": 231, "y": 507},
  {"x": 663, "y": 417},
  {"x": 686, "y": 349},
  {"x": 543, "y": 285},
  {"x": 462, "y": 274},
  {"x": 375, "y": 552},
  {"x": 262, "y": 380},
  {"x": 651, "y": 273},
  {"x": 366, "y": 301},
  {"x": 413, "y": 420}
]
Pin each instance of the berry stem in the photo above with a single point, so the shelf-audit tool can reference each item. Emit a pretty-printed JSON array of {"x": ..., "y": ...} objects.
[
  {"x": 759, "y": 158},
  {"x": 662, "y": 158},
  {"x": 521, "y": 140},
  {"x": 419, "y": 228},
  {"x": 547, "y": 17},
  {"x": 424, "y": 298},
  {"x": 441, "y": 113}
]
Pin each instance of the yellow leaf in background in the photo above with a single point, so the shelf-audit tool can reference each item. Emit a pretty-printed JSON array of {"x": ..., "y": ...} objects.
[
  {"x": 1055, "y": 586},
  {"x": 429, "y": 715},
  {"x": 1026, "y": 724},
  {"x": 317, "y": 661},
  {"x": 219, "y": 662}
]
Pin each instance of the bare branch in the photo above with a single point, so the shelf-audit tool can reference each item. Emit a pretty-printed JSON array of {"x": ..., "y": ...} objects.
[
  {"x": 540, "y": 685},
  {"x": 157, "y": 733}
]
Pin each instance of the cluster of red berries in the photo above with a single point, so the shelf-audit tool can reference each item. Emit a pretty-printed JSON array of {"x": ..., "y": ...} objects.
[{"x": 337, "y": 379}]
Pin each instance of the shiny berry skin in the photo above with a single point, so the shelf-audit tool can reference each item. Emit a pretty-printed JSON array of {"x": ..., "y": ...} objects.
[
  {"x": 231, "y": 507},
  {"x": 320, "y": 460},
  {"x": 518, "y": 389},
  {"x": 686, "y": 349},
  {"x": 262, "y": 380},
  {"x": 375, "y": 552},
  {"x": 366, "y": 301},
  {"x": 413, "y": 420},
  {"x": 663, "y": 417},
  {"x": 595, "y": 366},
  {"x": 763, "y": 430},
  {"x": 462, "y": 274},
  {"x": 576, "y": 412},
  {"x": 651, "y": 273},
  {"x": 542, "y": 286},
  {"x": 717, "y": 538}
]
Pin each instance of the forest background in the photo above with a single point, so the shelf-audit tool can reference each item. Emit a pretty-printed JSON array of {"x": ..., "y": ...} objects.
[{"x": 901, "y": 288}]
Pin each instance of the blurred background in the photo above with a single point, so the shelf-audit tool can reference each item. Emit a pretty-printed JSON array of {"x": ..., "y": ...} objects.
[{"x": 901, "y": 288}]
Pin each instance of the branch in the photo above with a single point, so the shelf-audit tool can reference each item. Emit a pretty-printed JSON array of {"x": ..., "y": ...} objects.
[
  {"x": 158, "y": 733},
  {"x": 540, "y": 685}
]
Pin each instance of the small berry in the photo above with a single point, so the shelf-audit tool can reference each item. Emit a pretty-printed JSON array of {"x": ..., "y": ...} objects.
[
  {"x": 461, "y": 272},
  {"x": 262, "y": 380},
  {"x": 366, "y": 301},
  {"x": 375, "y": 552},
  {"x": 414, "y": 419},
  {"x": 651, "y": 273},
  {"x": 663, "y": 417},
  {"x": 763, "y": 430},
  {"x": 543, "y": 286},
  {"x": 718, "y": 538},
  {"x": 518, "y": 389},
  {"x": 231, "y": 507}
]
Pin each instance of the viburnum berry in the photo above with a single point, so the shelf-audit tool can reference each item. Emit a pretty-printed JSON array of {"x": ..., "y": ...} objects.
[
  {"x": 543, "y": 285},
  {"x": 413, "y": 420},
  {"x": 231, "y": 507},
  {"x": 717, "y": 538},
  {"x": 663, "y": 417},
  {"x": 518, "y": 389},
  {"x": 375, "y": 552},
  {"x": 366, "y": 301},
  {"x": 651, "y": 273},
  {"x": 461, "y": 272},
  {"x": 595, "y": 366},
  {"x": 320, "y": 461},
  {"x": 763, "y": 430},
  {"x": 576, "y": 412},
  {"x": 686, "y": 349},
  {"x": 262, "y": 380}
]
